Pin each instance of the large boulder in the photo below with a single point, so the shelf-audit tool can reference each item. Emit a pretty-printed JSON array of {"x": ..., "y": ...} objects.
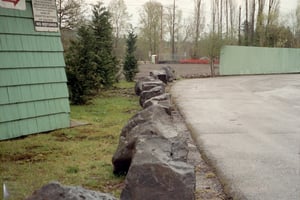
[
  {"x": 170, "y": 73},
  {"x": 159, "y": 171},
  {"x": 148, "y": 85},
  {"x": 160, "y": 74},
  {"x": 148, "y": 94},
  {"x": 57, "y": 191},
  {"x": 163, "y": 100},
  {"x": 138, "y": 88},
  {"x": 154, "y": 120}
]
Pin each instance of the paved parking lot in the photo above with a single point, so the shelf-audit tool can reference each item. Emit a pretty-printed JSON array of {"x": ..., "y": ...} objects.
[{"x": 248, "y": 127}]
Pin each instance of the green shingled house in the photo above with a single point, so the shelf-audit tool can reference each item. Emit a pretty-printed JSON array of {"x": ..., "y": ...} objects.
[{"x": 33, "y": 89}]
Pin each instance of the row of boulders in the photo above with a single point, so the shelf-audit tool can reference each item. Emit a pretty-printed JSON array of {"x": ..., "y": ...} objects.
[{"x": 151, "y": 152}]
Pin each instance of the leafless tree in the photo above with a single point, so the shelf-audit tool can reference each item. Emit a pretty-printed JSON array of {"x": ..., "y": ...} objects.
[
  {"x": 227, "y": 17},
  {"x": 239, "y": 34},
  {"x": 70, "y": 13},
  {"x": 233, "y": 15},
  {"x": 120, "y": 21},
  {"x": 252, "y": 21},
  {"x": 246, "y": 24},
  {"x": 174, "y": 26},
  {"x": 260, "y": 33},
  {"x": 197, "y": 19},
  {"x": 150, "y": 25},
  {"x": 272, "y": 17},
  {"x": 297, "y": 24}
]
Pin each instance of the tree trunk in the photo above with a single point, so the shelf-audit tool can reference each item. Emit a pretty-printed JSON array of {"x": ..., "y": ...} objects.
[
  {"x": 212, "y": 67},
  {"x": 252, "y": 22},
  {"x": 214, "y": 16},
  {"x": 227, "y": 16},
  {"x": 246, "y": 25},
  {"x": 196, "y": 46},
  {"x": 221, "y": 19},
  {"x": 240, "y": 11},
  {"x": 173, "y": 32}
]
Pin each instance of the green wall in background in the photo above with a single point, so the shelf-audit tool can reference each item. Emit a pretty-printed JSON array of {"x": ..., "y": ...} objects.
[
  {"x": 240, "y": 60},
  {"x": 33, "y": 89}
]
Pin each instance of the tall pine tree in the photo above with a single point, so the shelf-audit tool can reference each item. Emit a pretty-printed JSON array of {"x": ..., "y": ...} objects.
[
  {"x": 107, "y": 65},
  {"x": 90, "y": 61},
  {"x": 82, "y": 79},
  {"x": 130, "y": 67}
]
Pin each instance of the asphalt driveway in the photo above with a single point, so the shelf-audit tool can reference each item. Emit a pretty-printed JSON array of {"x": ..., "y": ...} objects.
[{"x": 248, "y": 128}]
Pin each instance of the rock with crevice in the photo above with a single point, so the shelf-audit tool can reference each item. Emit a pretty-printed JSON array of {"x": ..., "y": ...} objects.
[
  {"x": 148, "y": 94},
  {"x": 151, "y": 121},
  {"x": 170, "y": 73},
  {"x": 160, "y": 74},
  {"x": 55, "y": 190},
  {"x": 163, "y": 100},
  {"x": 159, "y": 171},
  {"x": 148, "y": 85},
  {"x": 138, "y": 88}
]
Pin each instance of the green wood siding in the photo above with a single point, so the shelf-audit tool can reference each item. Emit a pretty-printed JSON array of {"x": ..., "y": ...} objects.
[
  {"x": 238, "y": 60},
  {"x": 33, "y": 89}
]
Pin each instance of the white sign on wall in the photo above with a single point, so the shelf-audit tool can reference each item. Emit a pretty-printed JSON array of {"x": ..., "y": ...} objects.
[
  {"x": 45, "y": 15},
  {"x": 13, "y": 4}
]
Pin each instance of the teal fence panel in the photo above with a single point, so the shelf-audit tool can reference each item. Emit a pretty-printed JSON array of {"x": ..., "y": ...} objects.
[
  {"x": 33, "y": 89},
  {"x": 239, "y": 60}
]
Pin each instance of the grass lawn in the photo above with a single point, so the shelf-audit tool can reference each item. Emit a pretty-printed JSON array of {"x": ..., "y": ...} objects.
[{"x": 75, "y": 156}]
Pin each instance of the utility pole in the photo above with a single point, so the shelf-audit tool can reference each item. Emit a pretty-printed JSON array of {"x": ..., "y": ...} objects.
[{"x": 173, "y": 32}]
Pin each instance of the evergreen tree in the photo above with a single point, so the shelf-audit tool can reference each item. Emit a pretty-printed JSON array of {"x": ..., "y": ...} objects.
[
  {"x": 90, "y": 61},
  {"x": 107, "y": 65},
  {"x": 130, "y": 67},
  {"x": 80, "y": 69}
]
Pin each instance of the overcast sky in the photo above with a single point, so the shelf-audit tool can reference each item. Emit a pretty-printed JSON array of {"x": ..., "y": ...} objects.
[{"x": 134, "y": 6}]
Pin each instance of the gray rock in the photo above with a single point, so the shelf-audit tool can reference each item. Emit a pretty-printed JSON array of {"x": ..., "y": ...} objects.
[
  {"x": 148, "y": 85},
  {"x": 170, "y": 73},
  {"x": 57, "y": 191},
  {"x": 160, "y": 74},
  {"x": 157, "y": 172},
  {"x": 163, "y": 100},
  {"x": 148, "y": 94},
  {"x": 153, "y": 120},
  {"x": 138, "y": 85}
]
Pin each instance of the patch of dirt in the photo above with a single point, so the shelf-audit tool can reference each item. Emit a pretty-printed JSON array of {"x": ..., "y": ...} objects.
[
  {"x": 63, "y": 137},
  {"x": 32, "y": 154},
  {"x": 23, "y": 158}
]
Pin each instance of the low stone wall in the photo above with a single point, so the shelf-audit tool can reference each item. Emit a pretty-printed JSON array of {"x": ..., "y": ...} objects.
[{"x": 151, "y": 152}]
